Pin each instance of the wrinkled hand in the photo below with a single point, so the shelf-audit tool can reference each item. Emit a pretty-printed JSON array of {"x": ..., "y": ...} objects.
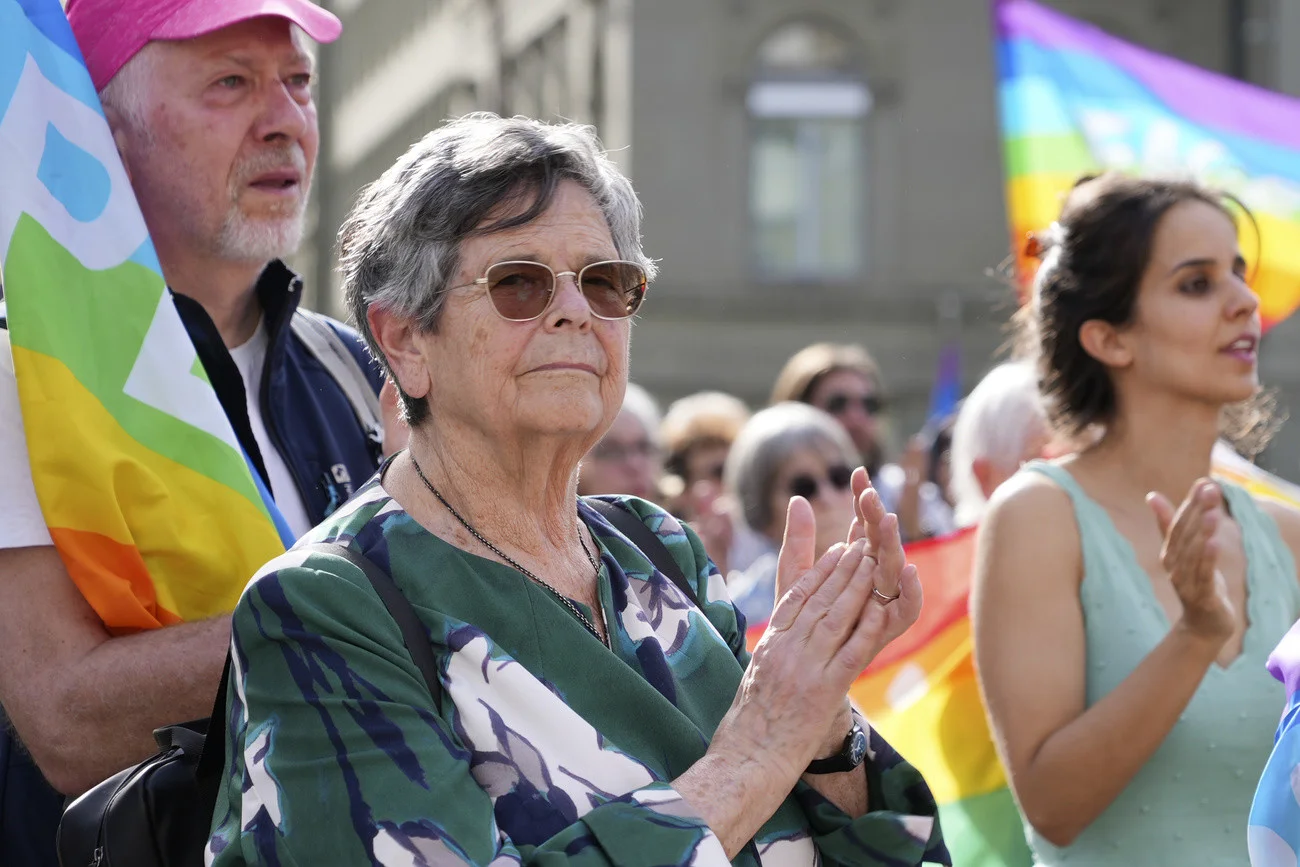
[
  {"x": 825, "y": 630},
  {"x": 396, "y": 431},
  {"x": 1190, "y": 555}
]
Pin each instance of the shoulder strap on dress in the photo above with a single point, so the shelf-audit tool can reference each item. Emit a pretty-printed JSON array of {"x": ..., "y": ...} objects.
[
  {"x": 414, "y": 635},
  {"x": 645, "y": 539}
]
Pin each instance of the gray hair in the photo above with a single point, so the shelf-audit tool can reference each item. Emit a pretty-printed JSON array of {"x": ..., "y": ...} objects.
[
  {"x": 399, "y": 249},
  {"x": 766, "y": 442},
  {"x": 127, "y": 93},
  {"x": 994, "y": 423}
]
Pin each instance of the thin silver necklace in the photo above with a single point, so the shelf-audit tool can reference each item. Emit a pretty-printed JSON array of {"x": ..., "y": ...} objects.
[{"x": 564, "y": 600}]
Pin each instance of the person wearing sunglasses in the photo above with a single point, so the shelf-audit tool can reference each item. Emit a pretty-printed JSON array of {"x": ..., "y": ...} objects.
[
  {"x": 844, "y": 381},
  {"x": 589, "y": 709},
  {"x": 784, "y": 451}
]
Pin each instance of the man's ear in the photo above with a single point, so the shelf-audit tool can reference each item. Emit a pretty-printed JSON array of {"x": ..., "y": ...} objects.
[
  {"x": 1106, "y": 343},
  {"x": 396, "y": 337}
]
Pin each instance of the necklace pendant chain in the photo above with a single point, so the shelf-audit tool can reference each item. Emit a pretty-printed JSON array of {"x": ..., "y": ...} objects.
[{"x": 564, "y": 600}]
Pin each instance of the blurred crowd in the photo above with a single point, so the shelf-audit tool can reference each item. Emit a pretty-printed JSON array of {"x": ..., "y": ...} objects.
[{"x": 729, "y": 469}]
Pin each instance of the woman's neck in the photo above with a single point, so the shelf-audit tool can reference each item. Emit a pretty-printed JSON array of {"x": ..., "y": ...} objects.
[
  {"x": 1157, "y": 444},
  {"x": 523, "y": 498}
]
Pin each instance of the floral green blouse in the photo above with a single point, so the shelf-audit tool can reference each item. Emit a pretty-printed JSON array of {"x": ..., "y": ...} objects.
[{"x": 548, "y": 748}]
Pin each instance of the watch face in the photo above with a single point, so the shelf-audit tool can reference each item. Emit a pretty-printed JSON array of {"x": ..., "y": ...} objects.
[{"x": 858, "y": 748}]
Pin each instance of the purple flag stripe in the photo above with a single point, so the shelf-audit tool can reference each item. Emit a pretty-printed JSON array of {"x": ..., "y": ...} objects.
[
  {"x": 1284, "y": 661},
  {"x": 1200, "y": 96}
]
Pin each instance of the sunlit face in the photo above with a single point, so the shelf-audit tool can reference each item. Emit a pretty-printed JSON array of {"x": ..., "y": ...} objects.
[
  {"x": 562, "y": 374},
  {"x": 854, "y": 400},
  {"x": 223, "y": 161},
  {"x": 821, "y": 476},
  {"x": 625, "y": 461},
  {"x": 1196, "y": 325}
]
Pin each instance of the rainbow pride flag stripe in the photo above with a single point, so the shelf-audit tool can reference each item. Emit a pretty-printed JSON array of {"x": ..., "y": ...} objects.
[
  {"x": 148, "y": 496},
  {"x": 1075, "y": 100}
]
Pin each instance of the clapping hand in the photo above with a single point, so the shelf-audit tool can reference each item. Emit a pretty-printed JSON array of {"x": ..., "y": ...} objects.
[
  {"x": 1190, "y": 555},
  {"x": 827, "y": 627}
]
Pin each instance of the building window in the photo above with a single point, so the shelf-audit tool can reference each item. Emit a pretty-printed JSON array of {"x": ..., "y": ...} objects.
[{"x": 808, "y": 104}]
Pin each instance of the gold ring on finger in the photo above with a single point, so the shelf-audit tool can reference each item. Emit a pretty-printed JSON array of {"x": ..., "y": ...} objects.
[{"x": 882, "y": 598}]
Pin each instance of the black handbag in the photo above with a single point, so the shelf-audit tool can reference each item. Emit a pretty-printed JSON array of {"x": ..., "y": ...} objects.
[{"x": 159, "y": 813}]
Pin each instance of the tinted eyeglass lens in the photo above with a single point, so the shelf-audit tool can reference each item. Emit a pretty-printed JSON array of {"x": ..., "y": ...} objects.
[
  {"x": 613, "y": 289},
  {"x": 873, "y": 405},
  {"x": 803, "y": 486},
  {"x": 839, "y": 476},
  {"x": 520, "y": 290}
]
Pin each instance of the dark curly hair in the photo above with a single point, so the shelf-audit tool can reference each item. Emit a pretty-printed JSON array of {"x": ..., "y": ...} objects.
[{"x": 1093, "y": 262}]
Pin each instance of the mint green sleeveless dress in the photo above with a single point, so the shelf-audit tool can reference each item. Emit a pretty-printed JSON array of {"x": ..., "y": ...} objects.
[{"x": 1188, "y": 805}]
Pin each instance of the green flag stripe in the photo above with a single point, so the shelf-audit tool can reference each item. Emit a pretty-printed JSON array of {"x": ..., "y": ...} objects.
[
  {"x": 1048, "y": 154},
  {"x": 95, "y": 322}
]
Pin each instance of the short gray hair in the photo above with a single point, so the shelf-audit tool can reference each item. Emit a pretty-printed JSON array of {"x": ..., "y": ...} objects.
[
  {"x": 399, "y": 249},
  {"x": 994, "y": 423},
  {"x": 766, "y": 442},
  {"x": 128, "y": 92}
]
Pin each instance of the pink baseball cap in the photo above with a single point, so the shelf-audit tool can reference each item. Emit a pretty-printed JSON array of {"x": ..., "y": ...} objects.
[{"x": 111, "y": 32}]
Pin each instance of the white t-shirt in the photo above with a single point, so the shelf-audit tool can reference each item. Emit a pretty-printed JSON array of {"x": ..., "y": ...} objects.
[
  {"x": 250, "y": 358},
  {"x": 21, "y": 523}
]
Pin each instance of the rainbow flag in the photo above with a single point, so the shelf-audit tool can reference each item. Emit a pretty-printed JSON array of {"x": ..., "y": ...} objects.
[
  {"x": 148, "y": 496},
  {"x": 1076, "y": 100},
  {"x": 921, "y": 694}
]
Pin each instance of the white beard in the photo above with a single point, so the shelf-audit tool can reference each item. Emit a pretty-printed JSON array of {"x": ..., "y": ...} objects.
[{"x": 260, "y": 240}]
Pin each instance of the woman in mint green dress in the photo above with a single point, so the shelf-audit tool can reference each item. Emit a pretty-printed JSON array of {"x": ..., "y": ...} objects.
[
  {"x": 1125, "y": 602},
  {"x": 591, "y": 711}
]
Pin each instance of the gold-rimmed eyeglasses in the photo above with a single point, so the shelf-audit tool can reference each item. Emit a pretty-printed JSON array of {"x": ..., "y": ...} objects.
[{"x": 521, "y": 291}]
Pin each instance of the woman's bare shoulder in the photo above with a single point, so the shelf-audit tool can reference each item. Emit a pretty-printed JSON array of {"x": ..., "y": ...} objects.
[
  {"x": 1029, "y": 530},
  {"x": 1030, "y": 495}
]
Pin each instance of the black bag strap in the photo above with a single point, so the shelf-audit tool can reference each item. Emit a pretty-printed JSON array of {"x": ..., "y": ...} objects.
[
  {"x": 627, "y": 523},
  {"x": 414, "y": 635},
  {"x": 212, "y": 760}
]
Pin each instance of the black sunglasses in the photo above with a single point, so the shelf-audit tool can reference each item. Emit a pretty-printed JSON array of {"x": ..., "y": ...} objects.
[
  {"x": 871, "y": 404},
  {"x": 806, "y": 486}
]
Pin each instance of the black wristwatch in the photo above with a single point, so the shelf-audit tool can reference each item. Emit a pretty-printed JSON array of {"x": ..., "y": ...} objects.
[{"x": 848, "y": 758}]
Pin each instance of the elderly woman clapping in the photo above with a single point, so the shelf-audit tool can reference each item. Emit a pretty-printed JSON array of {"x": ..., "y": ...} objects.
[{"x": 591, "y": 710}]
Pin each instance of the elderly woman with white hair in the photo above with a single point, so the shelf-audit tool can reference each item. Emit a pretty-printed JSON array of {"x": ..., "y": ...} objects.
[
  {"x": 584, "y": 708},
  {"x": 1001, "y": 426}
]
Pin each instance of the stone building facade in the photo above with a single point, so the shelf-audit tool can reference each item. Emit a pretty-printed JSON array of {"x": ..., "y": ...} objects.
[{"x": 810, "y": 169}]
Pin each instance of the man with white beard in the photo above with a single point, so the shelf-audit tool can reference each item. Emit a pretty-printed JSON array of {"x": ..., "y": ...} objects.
[{"x": 210, "y": 103}]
